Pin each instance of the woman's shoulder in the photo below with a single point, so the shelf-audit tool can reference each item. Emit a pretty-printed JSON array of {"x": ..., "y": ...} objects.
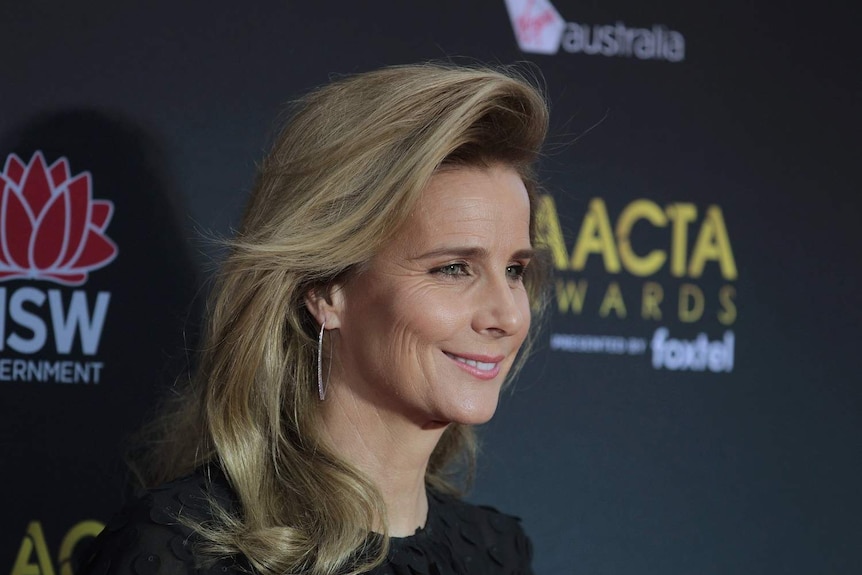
[
  {"x": 483, "y": 535},
  {"x": 153, "y": 534},
  {"x": 477, "y": 515}
]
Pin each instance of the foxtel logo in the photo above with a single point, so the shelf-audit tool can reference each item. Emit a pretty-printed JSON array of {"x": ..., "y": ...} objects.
[
  {"x": 539, "y": 29},
  {"x": 699, "y": 354}
]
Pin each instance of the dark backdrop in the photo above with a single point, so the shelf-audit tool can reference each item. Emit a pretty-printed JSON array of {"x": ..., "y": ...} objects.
[{"x": 698, "y": 416}]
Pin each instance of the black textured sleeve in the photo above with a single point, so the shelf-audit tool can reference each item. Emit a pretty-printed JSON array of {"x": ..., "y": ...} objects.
[
  {"x": 524, "y": 551},
  {"x": 148, "y": 538},
  {"x": 141, "y": 540},
  {"x": 486, "y": 541},
  {"x": 508, "y": 544}
]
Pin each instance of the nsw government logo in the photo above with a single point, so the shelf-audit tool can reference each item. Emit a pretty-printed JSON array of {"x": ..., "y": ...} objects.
[
  {"x": 52, "y": 231},
  {"x": 539, "y": 29}
]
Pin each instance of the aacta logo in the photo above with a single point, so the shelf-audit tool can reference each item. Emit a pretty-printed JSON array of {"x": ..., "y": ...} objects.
[
  {"x": 540, "y": 29},
  {"x": 51, "y": 230},
  {"x": 34, "y": 558}
]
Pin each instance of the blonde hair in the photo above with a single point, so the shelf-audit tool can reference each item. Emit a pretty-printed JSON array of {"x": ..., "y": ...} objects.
[{"x": 341, "y": 178}]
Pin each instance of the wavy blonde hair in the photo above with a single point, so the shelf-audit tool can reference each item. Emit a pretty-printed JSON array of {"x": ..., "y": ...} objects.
[{"x": 341, "y": 178}]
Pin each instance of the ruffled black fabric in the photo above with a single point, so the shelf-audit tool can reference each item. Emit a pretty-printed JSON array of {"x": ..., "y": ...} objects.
[{"x": 145, "y": 538}]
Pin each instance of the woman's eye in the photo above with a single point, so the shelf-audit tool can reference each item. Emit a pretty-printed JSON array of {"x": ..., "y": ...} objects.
[
  {"x": 452, "y": 270},
  {"x": 516, "y": 271}
]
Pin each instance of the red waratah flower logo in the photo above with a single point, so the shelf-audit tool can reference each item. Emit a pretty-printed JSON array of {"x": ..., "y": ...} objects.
[{"x": 51, "y": 228}]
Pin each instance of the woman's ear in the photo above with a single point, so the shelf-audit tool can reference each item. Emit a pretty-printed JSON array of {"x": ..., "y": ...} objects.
[{"x": 326, "y": 303}]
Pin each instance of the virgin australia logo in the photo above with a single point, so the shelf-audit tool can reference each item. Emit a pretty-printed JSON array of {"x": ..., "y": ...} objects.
[{"x": 539, "y": 29}]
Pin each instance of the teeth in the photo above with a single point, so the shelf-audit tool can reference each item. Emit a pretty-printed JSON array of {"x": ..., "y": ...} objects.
[{"x": 477, "y": 364}]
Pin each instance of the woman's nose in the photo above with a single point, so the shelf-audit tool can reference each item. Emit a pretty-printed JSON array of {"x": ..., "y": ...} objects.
[{"x": 501, "y": 309}]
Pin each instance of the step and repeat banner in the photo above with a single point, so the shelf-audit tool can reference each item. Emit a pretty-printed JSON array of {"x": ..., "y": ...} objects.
[{"x": 694, "y": 405}]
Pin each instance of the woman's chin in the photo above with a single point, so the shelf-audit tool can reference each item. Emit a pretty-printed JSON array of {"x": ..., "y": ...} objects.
[{"x": 475, "y": 413}]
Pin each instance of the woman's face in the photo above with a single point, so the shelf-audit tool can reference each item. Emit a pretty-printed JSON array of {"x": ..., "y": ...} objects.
[{"x": 430, "y": 329}]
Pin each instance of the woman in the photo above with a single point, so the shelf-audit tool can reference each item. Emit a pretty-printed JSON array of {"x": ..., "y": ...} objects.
[{"x": 373, "y": 303}]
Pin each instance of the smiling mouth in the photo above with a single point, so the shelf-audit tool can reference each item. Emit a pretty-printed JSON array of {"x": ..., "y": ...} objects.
[{"x": 482, "y": 369}]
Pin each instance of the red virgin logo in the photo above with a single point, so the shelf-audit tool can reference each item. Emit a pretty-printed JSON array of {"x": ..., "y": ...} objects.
[
  {"x": 51, "y": 228},
  {"x": 538, "y": 26}
]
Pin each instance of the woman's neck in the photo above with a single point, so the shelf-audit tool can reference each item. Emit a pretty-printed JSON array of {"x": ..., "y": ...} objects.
[{"x": 389, "y": 449}]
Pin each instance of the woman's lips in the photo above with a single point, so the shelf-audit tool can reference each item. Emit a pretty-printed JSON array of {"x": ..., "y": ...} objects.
[{"x": 479, "y": 366}]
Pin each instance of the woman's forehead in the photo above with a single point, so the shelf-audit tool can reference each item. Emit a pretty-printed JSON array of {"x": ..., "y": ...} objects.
[
  {"x": 470, "y": 207},
  {"x": 474, "y": 191}
]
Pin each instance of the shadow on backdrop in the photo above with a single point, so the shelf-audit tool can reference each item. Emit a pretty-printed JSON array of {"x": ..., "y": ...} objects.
[{"x": 67, "y": 410}]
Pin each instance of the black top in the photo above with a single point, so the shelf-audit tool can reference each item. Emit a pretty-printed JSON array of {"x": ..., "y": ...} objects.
[{"x": 145, "y": 538}]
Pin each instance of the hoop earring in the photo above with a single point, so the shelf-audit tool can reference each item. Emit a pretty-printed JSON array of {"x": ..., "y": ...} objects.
[{"x": 321, "y": 388}]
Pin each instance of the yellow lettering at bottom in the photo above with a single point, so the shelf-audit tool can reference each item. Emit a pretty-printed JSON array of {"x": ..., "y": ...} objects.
[
  {"x": 34, "y": 540},
  {"x": 652, "y": 296},
  {"x": 570, "y": 295},
  {"x": 726, "y": 295},
  {"x": 82, "y": 530},
  {"x": 691, "y": 303},
  {"x": 613, "y": 300}
]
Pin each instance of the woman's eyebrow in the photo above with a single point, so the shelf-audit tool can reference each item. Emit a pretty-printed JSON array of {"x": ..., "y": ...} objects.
[
  {"x": 525, "y": 254},
  {"x": 471, "y": 252}
]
